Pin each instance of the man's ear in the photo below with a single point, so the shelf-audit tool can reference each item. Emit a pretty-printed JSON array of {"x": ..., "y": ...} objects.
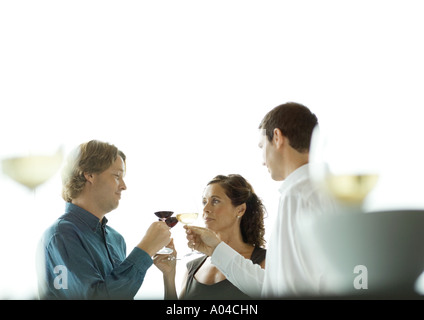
[
  {"x": 88, "y": 176},
  {"x": 278, "y": 138}
]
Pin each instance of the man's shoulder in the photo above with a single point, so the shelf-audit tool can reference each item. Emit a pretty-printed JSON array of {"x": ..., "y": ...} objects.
[
  {"x": 308, "y": 193},
  {"x": 60, "y": 226},
  {"x": 300, "y": 188}
]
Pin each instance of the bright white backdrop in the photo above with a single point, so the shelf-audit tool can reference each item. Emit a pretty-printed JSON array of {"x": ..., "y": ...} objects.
[{"x": 180, "y": 87}]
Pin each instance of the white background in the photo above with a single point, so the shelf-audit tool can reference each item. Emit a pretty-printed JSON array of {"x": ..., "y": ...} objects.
[{"x": 181, "y": 86}]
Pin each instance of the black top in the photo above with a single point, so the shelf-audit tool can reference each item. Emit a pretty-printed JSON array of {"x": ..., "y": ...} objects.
[{"x": 223, "y": 290}]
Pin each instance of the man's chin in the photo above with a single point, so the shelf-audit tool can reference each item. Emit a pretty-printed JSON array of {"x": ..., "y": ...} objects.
[
  {"x": 276, "y": 178},
  {"x": 114, "y": 206}
]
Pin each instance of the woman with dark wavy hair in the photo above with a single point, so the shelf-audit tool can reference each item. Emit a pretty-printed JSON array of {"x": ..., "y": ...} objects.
[{"x": 235, "y": 213}]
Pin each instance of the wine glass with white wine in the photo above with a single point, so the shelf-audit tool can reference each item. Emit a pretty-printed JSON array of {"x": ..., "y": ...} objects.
[
  {"x": 188, "y": 218},
  {"x": 345, "y": 165}
]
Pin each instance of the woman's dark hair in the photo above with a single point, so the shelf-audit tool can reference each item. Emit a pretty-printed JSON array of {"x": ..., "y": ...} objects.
[{"x": 239, "y": 190}]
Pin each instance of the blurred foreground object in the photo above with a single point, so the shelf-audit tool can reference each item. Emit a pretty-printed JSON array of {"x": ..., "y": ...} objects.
[
  {"x": 374, "y": 254},
  {"x": 344, "y": 164},
  {"x": 33, "y": 170}
]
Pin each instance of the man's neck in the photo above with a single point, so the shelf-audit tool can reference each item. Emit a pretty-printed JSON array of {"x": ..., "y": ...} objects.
[
  {"x": 294, "y": 161},
  {"x": 88, "y": 206}
]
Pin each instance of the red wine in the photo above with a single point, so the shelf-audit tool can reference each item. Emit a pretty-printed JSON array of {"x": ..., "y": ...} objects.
[
  {"x": 171, "y": 221},
  {"x": 164, "y": 214}
]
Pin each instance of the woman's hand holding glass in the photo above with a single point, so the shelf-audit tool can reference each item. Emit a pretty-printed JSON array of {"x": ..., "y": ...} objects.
[{"x": 164, "y": 263}]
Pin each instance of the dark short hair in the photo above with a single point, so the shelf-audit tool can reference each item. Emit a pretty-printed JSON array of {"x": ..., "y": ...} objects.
[{"x": 295, "y": 121}]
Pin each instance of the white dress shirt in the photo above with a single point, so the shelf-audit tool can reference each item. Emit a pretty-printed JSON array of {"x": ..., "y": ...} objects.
[{"x": 292, "y": 267}]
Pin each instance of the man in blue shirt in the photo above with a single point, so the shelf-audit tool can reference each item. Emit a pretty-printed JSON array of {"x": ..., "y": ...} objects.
[{"x": 81, "y": 256}]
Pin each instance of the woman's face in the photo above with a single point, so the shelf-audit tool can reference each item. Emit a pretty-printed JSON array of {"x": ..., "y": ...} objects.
[{"x": 218, "y": 212}]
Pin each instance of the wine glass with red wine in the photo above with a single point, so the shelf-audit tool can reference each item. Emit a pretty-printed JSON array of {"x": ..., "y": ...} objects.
[{"x": 166, "y": 216}]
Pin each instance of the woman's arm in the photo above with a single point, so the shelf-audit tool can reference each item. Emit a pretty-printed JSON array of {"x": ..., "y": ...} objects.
[
  {"x": 168, "y": 268},
  {"x": 184, "y": 285}
]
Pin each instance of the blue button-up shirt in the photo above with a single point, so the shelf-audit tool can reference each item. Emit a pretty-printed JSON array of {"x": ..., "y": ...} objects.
[{"x": 83, "y": 258}]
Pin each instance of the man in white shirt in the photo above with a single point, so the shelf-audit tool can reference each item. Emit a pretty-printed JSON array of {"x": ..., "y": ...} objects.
[{"x": 292, "y": 267}]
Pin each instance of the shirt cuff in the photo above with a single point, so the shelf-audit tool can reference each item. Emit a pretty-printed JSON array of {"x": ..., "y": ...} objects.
[
  {"x": 222, "y": 256},
  {"x": 140, "y": 258}
]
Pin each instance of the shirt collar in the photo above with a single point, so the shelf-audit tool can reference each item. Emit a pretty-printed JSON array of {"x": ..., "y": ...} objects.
[
  {"x": 85, "y": 216},
  {"x": 299, "y": 174}
]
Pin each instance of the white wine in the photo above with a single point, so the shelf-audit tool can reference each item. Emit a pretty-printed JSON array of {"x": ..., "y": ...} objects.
[
  {"x": 351, "y": 189},
  {"x": 187, "y": 218},
  {"x": 32, "y": 171}
]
